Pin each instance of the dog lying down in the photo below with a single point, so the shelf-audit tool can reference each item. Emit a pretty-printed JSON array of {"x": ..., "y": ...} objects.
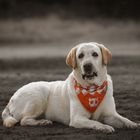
[{"x": 84, "y": 100}]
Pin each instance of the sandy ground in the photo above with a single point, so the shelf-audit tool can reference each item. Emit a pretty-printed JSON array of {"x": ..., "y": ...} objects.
[{"x": 125, "y": 73}]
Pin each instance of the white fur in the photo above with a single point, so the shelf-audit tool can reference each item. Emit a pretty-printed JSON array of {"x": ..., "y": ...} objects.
[{"x": 58, "y": 101}]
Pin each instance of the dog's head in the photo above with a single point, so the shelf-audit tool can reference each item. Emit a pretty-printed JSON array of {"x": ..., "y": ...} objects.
[{"x": 89, "y": 60}]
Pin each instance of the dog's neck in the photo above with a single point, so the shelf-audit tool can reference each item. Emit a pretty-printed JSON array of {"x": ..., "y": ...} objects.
[{"x": 102, "y": 76}]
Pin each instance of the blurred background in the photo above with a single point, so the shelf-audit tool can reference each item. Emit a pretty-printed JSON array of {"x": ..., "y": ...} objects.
[{"x": 49, "y": 28}]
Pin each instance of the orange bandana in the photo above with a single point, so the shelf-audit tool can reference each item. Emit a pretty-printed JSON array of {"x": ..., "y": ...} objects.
[{"x": 90, "y": 96}]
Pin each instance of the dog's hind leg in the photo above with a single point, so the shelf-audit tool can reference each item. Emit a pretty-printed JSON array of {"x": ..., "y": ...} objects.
[
  {"x": 8, "y": 119},
  {"x": 31, "y": 112},
  {"x": 29, "y": 120}
]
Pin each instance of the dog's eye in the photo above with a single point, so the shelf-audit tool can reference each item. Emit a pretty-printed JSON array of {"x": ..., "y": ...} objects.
[
  {"x": 94, "y": 54},
  {"x": 81, "y": 55}
]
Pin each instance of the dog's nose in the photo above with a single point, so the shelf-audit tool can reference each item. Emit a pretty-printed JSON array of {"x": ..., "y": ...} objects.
[{"x": 88, "y": 68}]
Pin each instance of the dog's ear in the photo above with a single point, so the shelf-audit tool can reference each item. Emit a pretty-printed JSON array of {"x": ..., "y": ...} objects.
[
  {"x": 71, "y": 58},
  {"x": 106, "y": 54}
]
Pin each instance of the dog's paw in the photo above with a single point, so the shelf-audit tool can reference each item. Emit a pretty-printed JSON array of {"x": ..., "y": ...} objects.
[
  {"x": 132, "y": 125},
  {"x": 45, "y": 122},
  {"x": 106, "y": 129}
]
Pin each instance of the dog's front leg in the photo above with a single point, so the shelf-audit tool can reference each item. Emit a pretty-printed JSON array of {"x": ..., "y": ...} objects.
[
  {"x": 79, "y": 118},
  {"x": 118, "y": 121},
  {"x": 83, "y": 122}
]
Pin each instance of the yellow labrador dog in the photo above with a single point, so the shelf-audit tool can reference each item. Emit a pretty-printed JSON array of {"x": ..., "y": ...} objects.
[{"x": 83, "y": 100}]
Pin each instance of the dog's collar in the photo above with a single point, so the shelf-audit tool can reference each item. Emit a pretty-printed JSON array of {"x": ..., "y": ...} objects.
[{"x": 90, "y": 96}]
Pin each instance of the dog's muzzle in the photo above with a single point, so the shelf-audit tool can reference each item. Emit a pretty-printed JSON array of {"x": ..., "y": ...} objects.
[{"x": 88, "y": 72}]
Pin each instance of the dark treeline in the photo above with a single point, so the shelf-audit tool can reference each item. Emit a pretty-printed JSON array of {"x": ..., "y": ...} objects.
[{"x": 77, "y": 8}]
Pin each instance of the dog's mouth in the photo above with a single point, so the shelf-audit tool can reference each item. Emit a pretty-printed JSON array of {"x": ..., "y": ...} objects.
[{"x": 89, "y": 76}]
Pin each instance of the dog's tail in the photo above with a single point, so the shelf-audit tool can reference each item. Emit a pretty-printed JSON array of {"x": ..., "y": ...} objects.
[{"x": 8, "y": 120}]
